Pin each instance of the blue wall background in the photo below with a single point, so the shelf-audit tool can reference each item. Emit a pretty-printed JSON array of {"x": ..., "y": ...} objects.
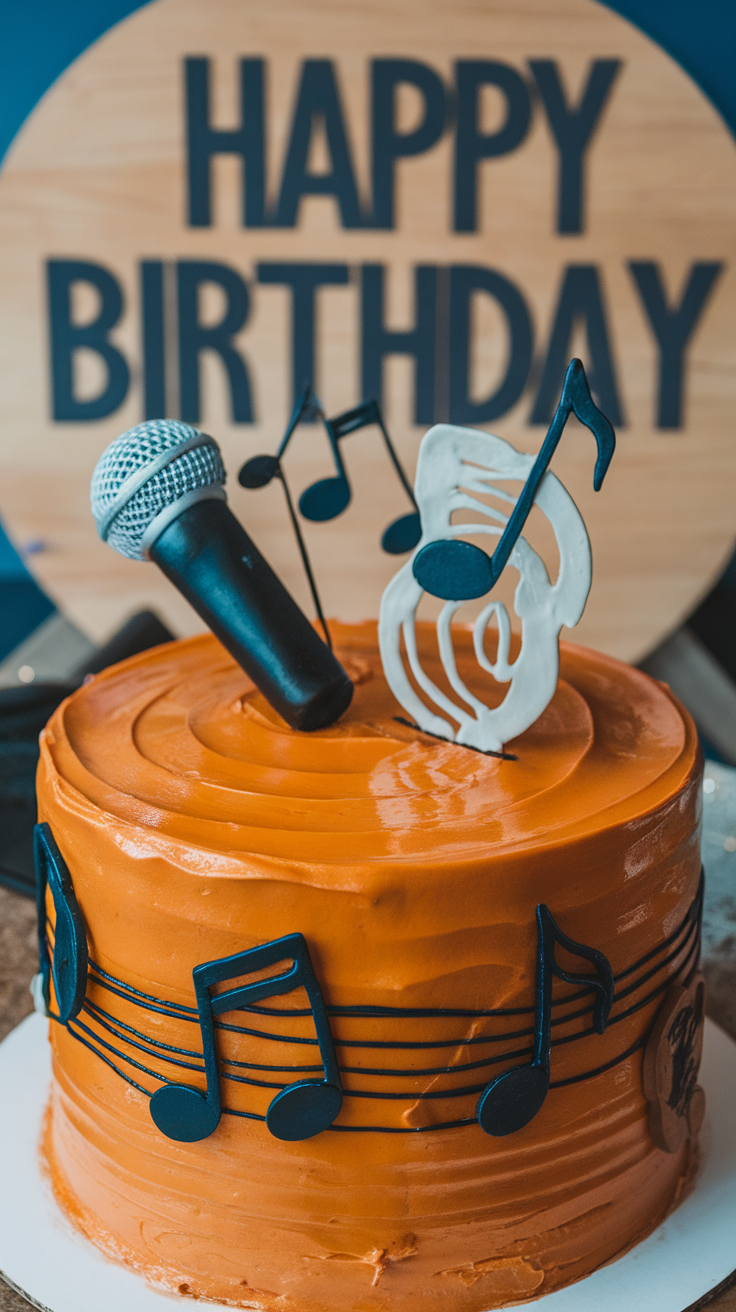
[{"x": 41, "y": 38}]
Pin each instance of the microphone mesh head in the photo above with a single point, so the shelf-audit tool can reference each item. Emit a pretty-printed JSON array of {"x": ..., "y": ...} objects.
[{"x": 125, "y": 461}]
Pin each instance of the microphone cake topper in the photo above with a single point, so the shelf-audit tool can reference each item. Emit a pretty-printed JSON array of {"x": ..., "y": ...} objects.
[
  {"x": 455, "y": 469},
  {"x": 158, "y": 493}
]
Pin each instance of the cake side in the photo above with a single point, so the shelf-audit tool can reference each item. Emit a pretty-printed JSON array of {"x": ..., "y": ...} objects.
[{"x": 196, "y": 825}]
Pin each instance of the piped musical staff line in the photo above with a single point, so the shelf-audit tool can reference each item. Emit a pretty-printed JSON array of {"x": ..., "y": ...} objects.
[
  {"x": 688, "y": 926},
  {"x": 554, "y": 1084},
  {"x": 682, "y": 970},
  {"x": 472, "y": 1120},
  {"x": 303, "y": 1106},
  {"x": 689, "y": 941},
  {"x": 229, "y": 1111},
  {"x": 380, "y": 1096}
]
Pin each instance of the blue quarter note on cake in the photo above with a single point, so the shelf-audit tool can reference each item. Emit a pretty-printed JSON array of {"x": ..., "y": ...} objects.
[
  {"x": 300, "y": 1110},
  {"x": 513, "y": 1099}
]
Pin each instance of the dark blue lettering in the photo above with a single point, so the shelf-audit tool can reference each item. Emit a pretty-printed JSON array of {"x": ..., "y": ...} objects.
[
  {"x": 204, "y": 141},
  {"x": 466, "y": 281},
  {"x": 318, "y": 100},
  {"x": 153, "y": 339},
  {"x": 66, "y": 338},
  {"x": 303, "y": 279},
  {"x": 389, "y": 144},
  {"x": 472, "y": 145},
  {"x": 581, "y": 301},
  {"x": 195, "y": 337},
  {"x": 673, "y": 326},
  {"x": 418, "y": 342},
  {"x": 573, "y": 129}
]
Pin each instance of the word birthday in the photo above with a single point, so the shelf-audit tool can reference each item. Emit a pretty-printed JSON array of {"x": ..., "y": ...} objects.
[{"x": 440, "y": 341}]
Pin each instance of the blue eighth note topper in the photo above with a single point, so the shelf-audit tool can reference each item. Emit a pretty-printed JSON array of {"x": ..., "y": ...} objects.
[
  {"x": 328, "y": 497},
  {"x": 461, "y": 571}
]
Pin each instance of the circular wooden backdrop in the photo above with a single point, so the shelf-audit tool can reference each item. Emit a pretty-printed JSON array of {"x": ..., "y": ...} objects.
[{"x": 99, "y": 175}]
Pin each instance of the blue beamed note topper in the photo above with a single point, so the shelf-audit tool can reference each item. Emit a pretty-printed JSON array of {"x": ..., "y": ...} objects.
[
  {"x": 68, "y": 966},
  {"x": 513, "y": 1099},
  {"x": 460, "y": 571},
  {"x": 300, "y": 1110},
  {"x": 328, "y": 497}
]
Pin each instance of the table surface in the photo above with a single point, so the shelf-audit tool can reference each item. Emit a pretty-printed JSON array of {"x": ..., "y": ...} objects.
[{"x": 19, "y": 958}]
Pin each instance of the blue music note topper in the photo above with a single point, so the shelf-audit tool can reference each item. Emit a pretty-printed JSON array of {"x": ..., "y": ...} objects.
[
  {"x": 68, "y": 967},
  {"x": 460, "y": 571},
  {"x": 328, "y": 497},
  {"x": 513, "y": 1099},
  {"x": 299, "y": 1111}
]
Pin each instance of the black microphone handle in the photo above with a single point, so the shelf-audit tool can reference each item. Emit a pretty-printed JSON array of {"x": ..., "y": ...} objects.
[{"x": 209, "y": 557}]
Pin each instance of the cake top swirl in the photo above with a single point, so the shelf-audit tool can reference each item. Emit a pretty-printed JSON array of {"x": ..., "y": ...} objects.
[{"x": 180, "y": 745}]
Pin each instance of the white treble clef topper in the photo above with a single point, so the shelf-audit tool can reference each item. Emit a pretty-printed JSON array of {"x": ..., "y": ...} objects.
[{"x": 453, "y": 465}]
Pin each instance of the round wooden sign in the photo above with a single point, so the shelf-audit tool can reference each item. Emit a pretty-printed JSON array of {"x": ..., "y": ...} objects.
[{"x": 433, "y": 205}]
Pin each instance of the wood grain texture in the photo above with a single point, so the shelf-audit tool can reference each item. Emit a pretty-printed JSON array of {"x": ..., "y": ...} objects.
[{"x": 98, "y": 173}]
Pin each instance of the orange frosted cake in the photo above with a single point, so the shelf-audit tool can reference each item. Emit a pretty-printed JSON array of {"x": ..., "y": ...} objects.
[{"x": 194, "y": 826}]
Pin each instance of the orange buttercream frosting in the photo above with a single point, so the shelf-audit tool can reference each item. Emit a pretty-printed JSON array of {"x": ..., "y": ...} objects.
[{"x": 195, "y": 824}]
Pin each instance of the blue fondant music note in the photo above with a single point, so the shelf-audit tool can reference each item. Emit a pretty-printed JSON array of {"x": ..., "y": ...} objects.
[
  {"x": 302, "y": 1109},
  {"x": 68, "y": 968},
  {"x": 513, "y": 1099},
  {"x": 460, "y": 571},
  {"x": 328, "y": 497},
  {"x": 260, "y": 470}
]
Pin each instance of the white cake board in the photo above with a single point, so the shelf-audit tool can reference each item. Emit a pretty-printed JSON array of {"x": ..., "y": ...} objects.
[{"x": 58, "y": 1270}]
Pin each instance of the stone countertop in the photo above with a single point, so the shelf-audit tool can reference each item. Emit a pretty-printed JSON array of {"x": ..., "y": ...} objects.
[{"x": 19, "y": 956}]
